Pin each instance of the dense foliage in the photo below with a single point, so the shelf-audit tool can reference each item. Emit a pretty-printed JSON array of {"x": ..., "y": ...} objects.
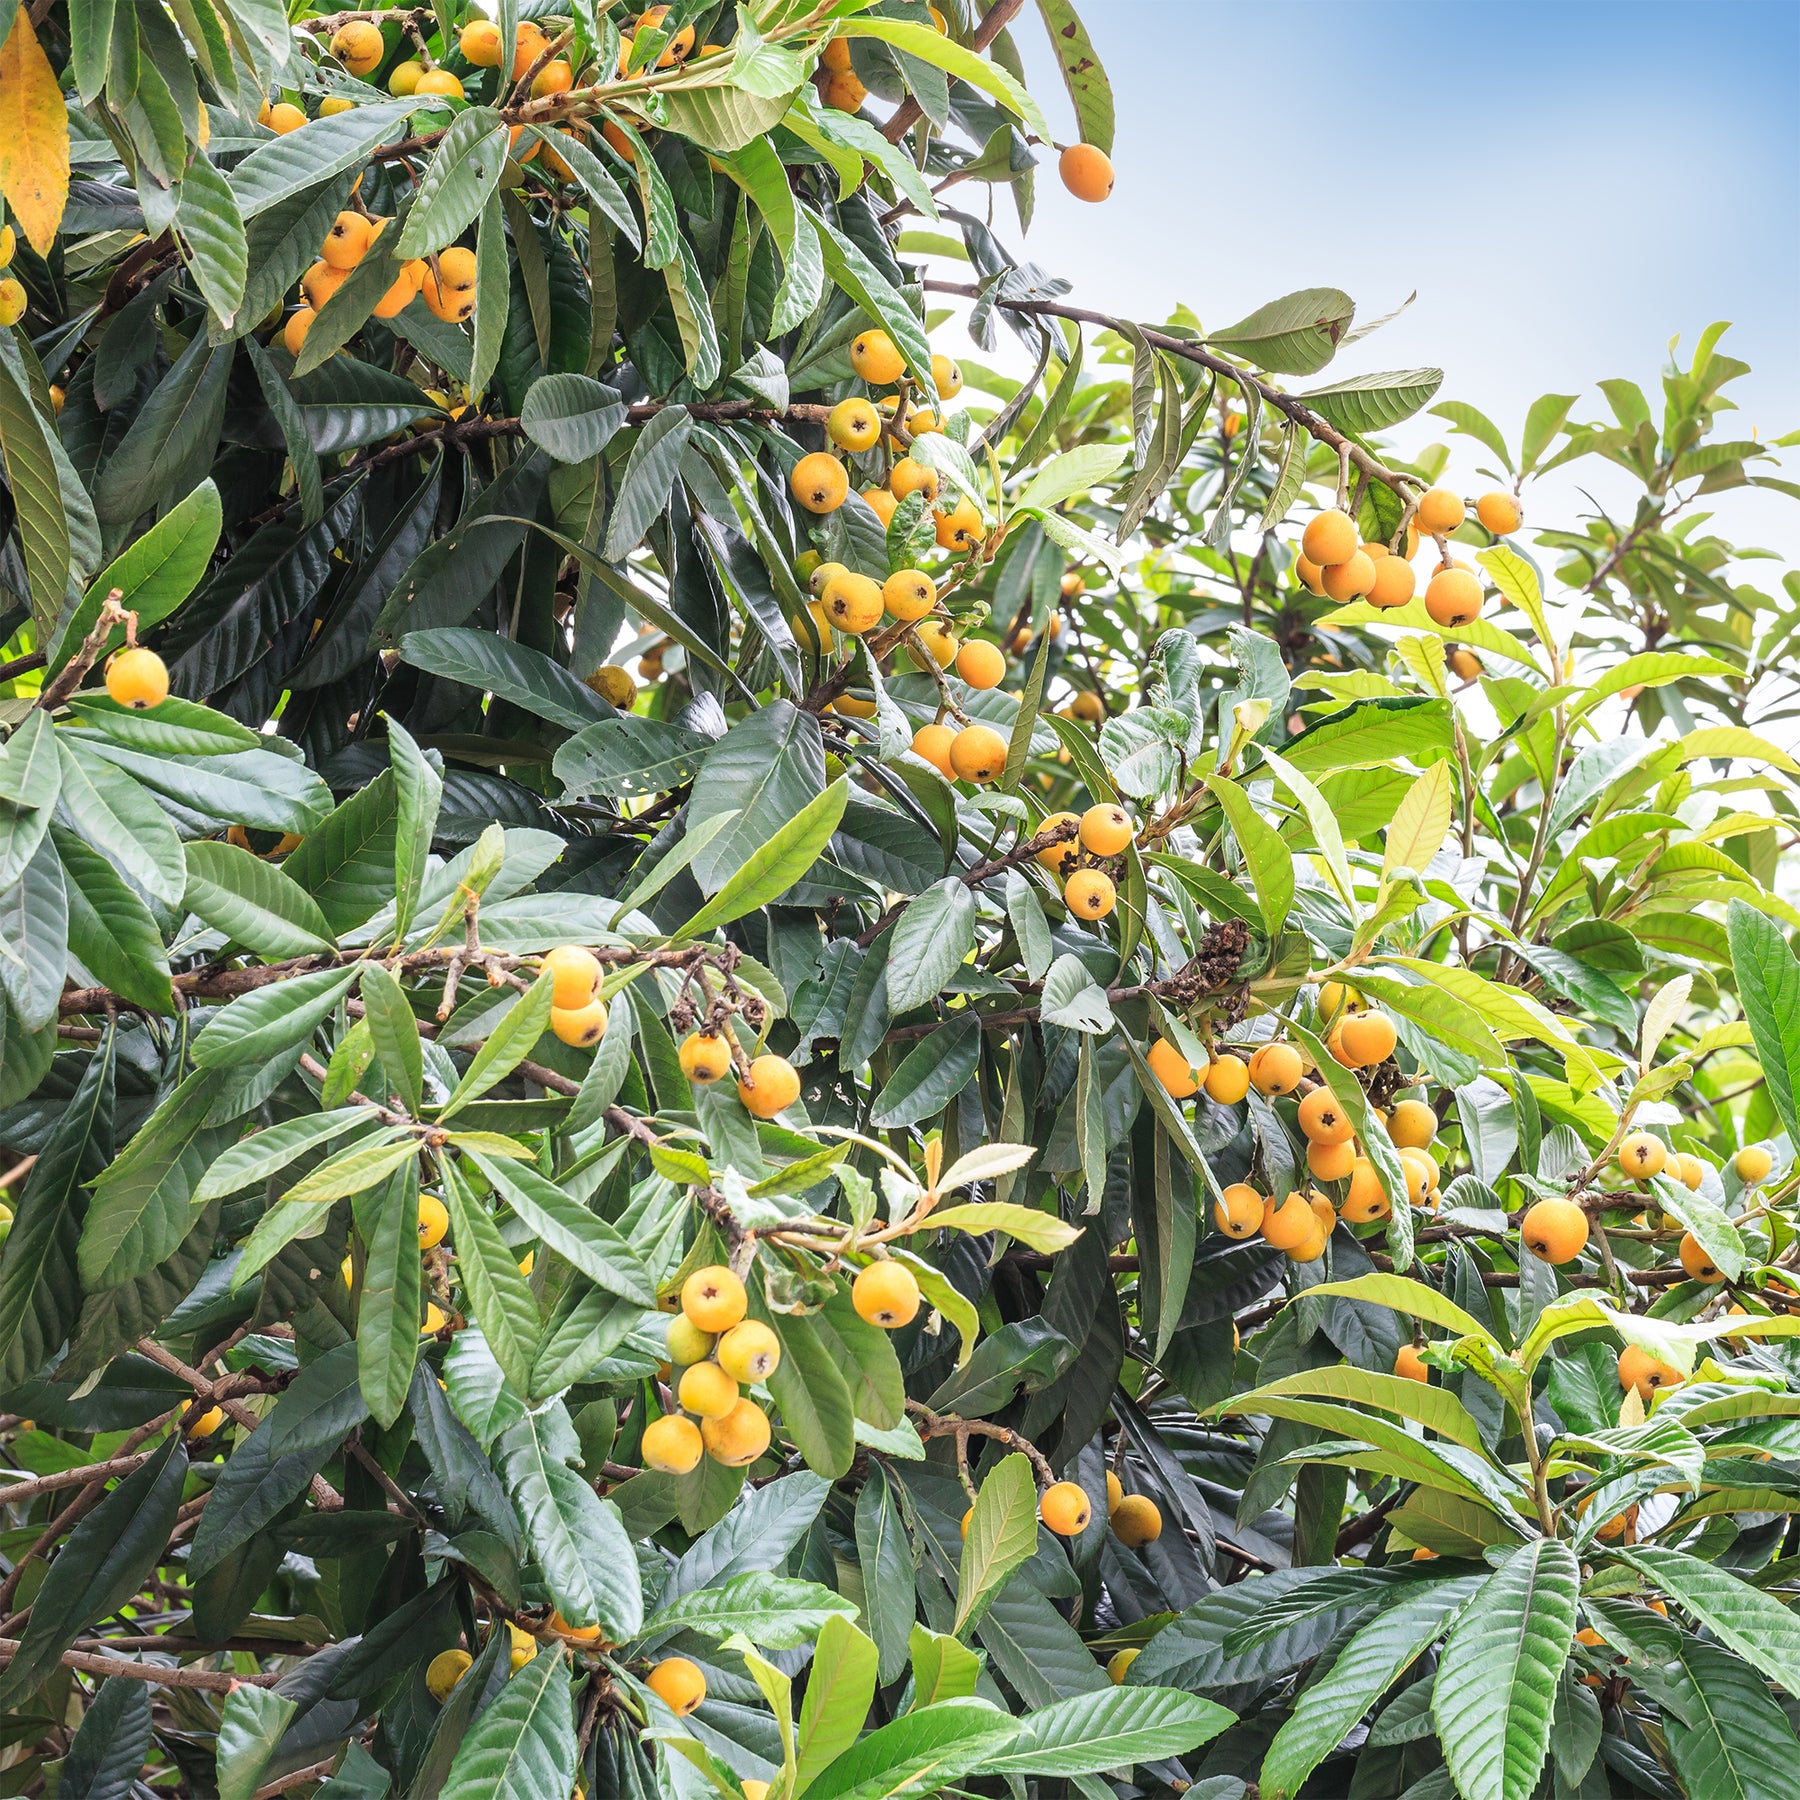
[{"x": 723, "y": 1075}]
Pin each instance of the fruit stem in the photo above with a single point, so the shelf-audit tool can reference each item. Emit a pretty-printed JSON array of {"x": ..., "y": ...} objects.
[{"x": 69, "y": 678}]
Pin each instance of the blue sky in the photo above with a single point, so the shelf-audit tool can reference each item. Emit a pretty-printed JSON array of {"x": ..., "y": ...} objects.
[{"x": 1566, "y": 185}]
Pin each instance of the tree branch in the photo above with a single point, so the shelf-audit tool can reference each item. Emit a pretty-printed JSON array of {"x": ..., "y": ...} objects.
[{"x": 1286, "y": 404}]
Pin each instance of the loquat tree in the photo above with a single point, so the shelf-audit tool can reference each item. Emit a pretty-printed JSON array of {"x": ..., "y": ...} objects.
[{"x": 740, "y": 1061}]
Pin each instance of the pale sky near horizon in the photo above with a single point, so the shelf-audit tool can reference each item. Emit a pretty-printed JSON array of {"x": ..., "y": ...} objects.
[{"x": 1567, "y": 184}]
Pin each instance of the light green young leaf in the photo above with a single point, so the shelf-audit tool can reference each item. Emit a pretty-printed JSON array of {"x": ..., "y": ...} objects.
[
  {"x": 1002, "y": 1535},
  {"x": 508, "y": 1045}
]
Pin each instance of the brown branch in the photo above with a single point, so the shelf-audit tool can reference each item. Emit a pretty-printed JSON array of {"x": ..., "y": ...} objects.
[
  {"x": 215, "y": 982},
  {"x": 936, "y": 1425},
  {"x": 312, "y": 1772},
  {"x": 219, "y": 1394},
  {"x": 21, "y": 1492},
  {"x": 994, "y": 21},
  {"x": 1360, "y": 1530},
  {"x": 22, "y": 665},
  {"x": 1287, "y": 404},
  {"x": 213, "y": 1681},
  {"x": 69, "y": 677},
  {"x": 1062, "y": 833},
  {"x": 90, "y": 1496}
]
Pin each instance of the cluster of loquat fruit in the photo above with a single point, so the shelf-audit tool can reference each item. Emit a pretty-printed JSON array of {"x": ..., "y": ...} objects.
[
  {"x": 1336, "y": 564},
  {"x": 1299, "y": 1224},
  {"x": 858, "y": 426},
  {"x": 446, "y": 281},
  {"x": 716, "y": 1351},
  {"x": 1104, "y": 832}
]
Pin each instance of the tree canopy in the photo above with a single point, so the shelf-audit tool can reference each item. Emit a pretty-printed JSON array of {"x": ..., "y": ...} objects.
[{"x": 741, "y": 1060}]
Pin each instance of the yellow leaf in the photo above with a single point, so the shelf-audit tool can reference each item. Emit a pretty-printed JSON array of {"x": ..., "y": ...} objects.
[
  {"x": 1420, "y": 823},
  {"x": 34, "y": 136}
]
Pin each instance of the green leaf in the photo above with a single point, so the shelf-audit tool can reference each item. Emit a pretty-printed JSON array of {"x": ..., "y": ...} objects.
[
  {"x": 141, "y": 1201},
  {"x": 511, "y": 671},
  {"x": 766, "y": 769},
  {"x": 110, "y": 1748},
  {"x": 812, "y": 1393},
  {"x": 560, "y": 1220},
  {"x": 34, "y": 940},
  {"x": 110, "y": 927},
  {"x": 154, "y": 573},
  {"x": 353, "y": 1171},
  {"x": 629, "y": 755},
  {"x": 259, "y": 1025},
  {"x": 36, "y": 484},
  {"x": 1366, "y": 403},
  {"x": 776, "y": 865},
  {"x": 1768, "y": 983},
  {"x": 254, "y": 903},
  {"x": 302, "y": 159},
  {"x": 1088, "y": 1734},
  {"x": 1435, "y": 1408},
  {"x": 1295, "y": 335},
  {"x": 1070, "y": 473},
  {"x": 493, "y": 295},
  {"x": 577, "y": 1538},
  {"x": 935, "y": 1069},
  {"x": 1002, "y": 1536},
  {"x": 250, "y": 1726},
  {"x": 1421, "y": 822},
  {"x": 175, "y": 429},
  {"x": 1729, "y": 1739},
  {"x": 1763, "y": 1631},
  {"x": 943, "y": 1668},
  {"x": 285, "y": 411},
  {"x": 571, "y": 417},
  {"x": 1413, "y": 1298},
  {"x": 523, "y": 1742},
  {"x": 30, "y": 783},
  {"x": 106, "y": 1559},
  {"x": 947, "y": 54},
  {"x": 266, "y": 1153},
  {"x": 121, "y": 821},
  {"x": 599, "y": 186},
  {"x": 419, "y": 788},
  {"x": 884, "y": 1558},
  {"x": 1269, "y": 861},
  {"x": 722, "y": 119},
  {"x": 930, "y": 941},
  {"x": 839, "y": 1689},
  {"x": 918, "y": 1753},
  {"x": 650, "y": 471},
  {"x": 212, "y": 236},
  {"x": 1362, "y": 1672},
  {"x": 1476, "y": 424},
  {"x": 498, "y": 1294},
  {"x": 1039, "y": 1231},
  {"x": 395, "y": 1031},
  {"x": 39, "y": 1287},
  {"x": 507, "y": 1045},
  {"x": 774, "y": 1611},
  {"x": 1090, "y": 93},
  {"x": 464, "y": 169},
  {"x": 1495, "y": 1691},
  {"x": 387, "y": 1318},
  {"x": 255, "y": 788}
]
